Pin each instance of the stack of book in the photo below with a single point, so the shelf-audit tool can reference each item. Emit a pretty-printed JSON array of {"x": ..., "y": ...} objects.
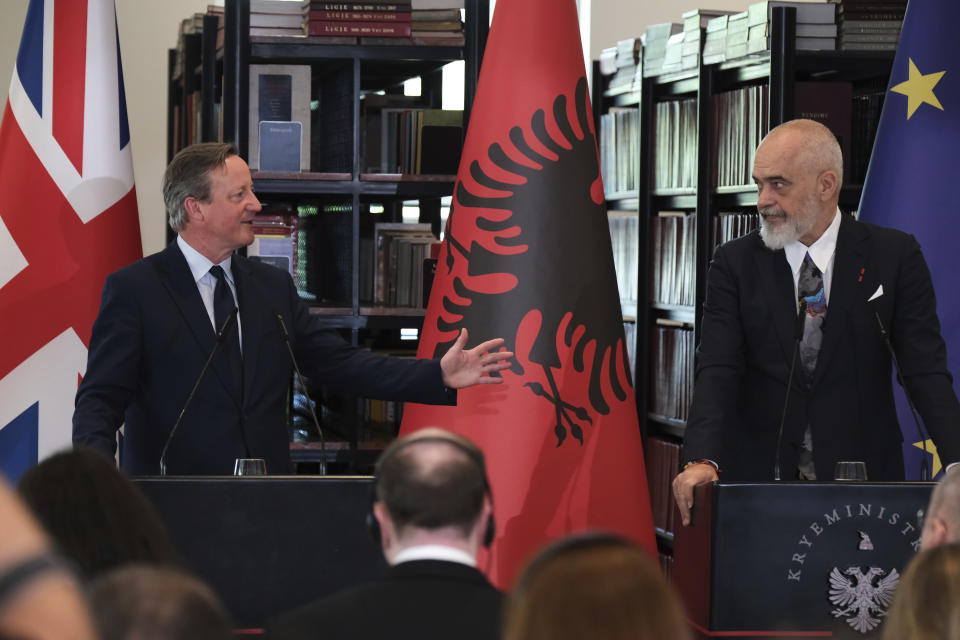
[
  {"x": 715, "y": 40},
  {"x": 675, "y": 146},
  {"x": 728, "y": 225},
  {"x": 740, "y": 119},
  {"x": 623, "y": 64},
  {"x": 624, "y": 235},
  {"x": 662, "y": 457},
  {"x": 694, "y": 23},
  {"x": 816, "y": 25},
  {"x": 738, "y": 30},
  {"x": 437, "y": 27},
  {"x": 870, "y": 25},
  {"x": 267, "y": 18},
  {"x": 620, "y": 151},
  {"x": 390, "y": 19},
  {"x": 421, "y": 141},
  {"x": 655, "y": 46},
  {"x": 400, "y": 252},
  {"x": 672, "y": 348},
  {"x": 673, "y": 241}
]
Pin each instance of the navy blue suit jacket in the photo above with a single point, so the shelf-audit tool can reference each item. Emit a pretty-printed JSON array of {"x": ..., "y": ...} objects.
[
  {"x": 149, "y": 343},
  {"x": 747, "y": 340}
]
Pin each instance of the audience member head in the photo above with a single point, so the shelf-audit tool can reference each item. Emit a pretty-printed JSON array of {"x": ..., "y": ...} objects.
[
  {"x": 41, "y": 598},
  {"x": 798, "y": 170},
  {"x": 926, "y": 605},
  {"x": 431, "y": 488},
  {"x": 97, "y": 517},
  {"x": 188, "y": 175},
  {"x": 141, "y": 602},
  {"x": 593, "y": 585},
  {"x": 942, "y": 522}
]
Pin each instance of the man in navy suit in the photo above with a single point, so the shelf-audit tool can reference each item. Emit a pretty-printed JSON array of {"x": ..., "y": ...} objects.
[
  {"x": 432, "y": 510},
  {"x": 159, "y": 321},
  {"x": 849, "y": 275}
]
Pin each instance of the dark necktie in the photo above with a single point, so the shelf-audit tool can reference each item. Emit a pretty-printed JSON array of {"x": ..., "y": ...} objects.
[
  {"x": 810, "y": 289},
  {"x": 223, "y": 306}
]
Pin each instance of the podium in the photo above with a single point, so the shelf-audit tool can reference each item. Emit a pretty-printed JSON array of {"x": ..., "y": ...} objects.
[
  {"x": 785, "y": 560},
  {"x": 269, "y": 544}
]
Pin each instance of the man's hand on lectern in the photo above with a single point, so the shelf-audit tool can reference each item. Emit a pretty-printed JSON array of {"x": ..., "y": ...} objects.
[{"x": 683, "y": 484}]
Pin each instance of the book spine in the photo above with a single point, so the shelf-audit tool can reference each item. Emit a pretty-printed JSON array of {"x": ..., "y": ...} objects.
[
  {"x": 360, "y": 6},
  {"x": 359, "y": 16},
  {"x": 330, "y": 28}
]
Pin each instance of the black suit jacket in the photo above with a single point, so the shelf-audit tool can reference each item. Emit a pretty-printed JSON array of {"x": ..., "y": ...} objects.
[
  {"x": 419, "y": 600},
  {"x": 149, "y": 343},
  {"x": 747, "y": 341}
]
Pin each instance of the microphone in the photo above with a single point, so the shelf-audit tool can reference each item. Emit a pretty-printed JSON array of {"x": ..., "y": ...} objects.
[
  {"x": 221, "y": 335},
  {"x": 313, "y": 413},
  {"x": 924, "y": 469},
  {"x": 797, "y": 337}
]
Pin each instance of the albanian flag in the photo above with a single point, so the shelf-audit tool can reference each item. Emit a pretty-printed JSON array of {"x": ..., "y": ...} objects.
[{"x": 527, "y": 257}]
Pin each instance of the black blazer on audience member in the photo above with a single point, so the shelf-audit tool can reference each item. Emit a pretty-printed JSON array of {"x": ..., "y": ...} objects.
[{"x": 417, "y": 600}]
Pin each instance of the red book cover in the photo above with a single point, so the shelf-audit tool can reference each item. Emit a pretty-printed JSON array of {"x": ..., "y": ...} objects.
[
  {"x": 335, "y": 28},
  {"x": 360, "y": 16}
]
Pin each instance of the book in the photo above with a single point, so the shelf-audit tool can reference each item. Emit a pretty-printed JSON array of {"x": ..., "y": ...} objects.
[
  {"x": 362, "y": 5},
  {"x": 381, "y": 29},
  {"x": 831, "y": 104},
  {"x": 807, "y": 12},
  {"x": 359, "y": 16},
  {"x": 438, "y": 38},
  {"x": 439, "y": 141},
  {"x": 279, "y": 146},
  {"x": 279, "y": 93},
  {"x": 436, "y": 14},
  {"x": 436, "y": 25},
  {"x": 286, "y": 20}
]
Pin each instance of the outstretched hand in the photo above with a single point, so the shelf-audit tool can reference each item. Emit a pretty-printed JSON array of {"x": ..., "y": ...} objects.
[{"x": 466, "y": 367}]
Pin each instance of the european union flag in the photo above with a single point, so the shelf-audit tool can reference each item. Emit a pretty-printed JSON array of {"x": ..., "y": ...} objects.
[{"x": 913, "y": 183}]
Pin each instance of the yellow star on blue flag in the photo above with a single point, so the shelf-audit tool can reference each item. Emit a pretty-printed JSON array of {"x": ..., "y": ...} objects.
[
  {"x": 919, "y": 89},
  {"x": 931, "y": 448}
]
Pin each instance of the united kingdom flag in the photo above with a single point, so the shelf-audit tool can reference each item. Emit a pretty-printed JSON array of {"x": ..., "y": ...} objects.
[{"x": 68, "y": 216}]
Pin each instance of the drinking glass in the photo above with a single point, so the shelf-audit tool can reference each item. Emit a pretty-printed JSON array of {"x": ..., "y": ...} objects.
[
  {"x": 850, "y": 470},
  {"x": 250, "y": 467}
]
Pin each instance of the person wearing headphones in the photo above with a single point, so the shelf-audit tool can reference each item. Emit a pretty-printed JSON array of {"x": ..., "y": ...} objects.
[{"x": 431, "y": 510}]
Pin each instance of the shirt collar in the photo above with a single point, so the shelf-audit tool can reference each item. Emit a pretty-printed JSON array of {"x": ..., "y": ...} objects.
[
  {"x": 435, "y": 552},
  {"x": 199, "y": 264},
  {"x": 821, "y": 251}
]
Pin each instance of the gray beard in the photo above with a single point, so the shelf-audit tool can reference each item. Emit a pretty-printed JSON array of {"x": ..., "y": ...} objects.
[{"x": 776, "y": 239}]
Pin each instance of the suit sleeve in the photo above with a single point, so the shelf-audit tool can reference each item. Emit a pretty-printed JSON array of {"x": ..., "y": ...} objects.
[
  {"x": 326, "y": 357},
  {"x": 922, "y": 354},
  {"x": 112, "y": 370},
  {"x": 720, "y": 364}
]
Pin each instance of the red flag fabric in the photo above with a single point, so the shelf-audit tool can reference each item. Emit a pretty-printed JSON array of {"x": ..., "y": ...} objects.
[
  {"x": 527, "y": 256},
  {"x": 68, "y": 216}
]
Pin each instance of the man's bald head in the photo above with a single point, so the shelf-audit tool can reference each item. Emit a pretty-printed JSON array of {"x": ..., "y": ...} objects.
[
  {"x": 814, "y": 147},
  {"x": 432, "y": 479}
]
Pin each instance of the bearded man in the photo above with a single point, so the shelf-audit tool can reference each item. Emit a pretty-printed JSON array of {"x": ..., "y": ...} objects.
[{"x": 815, "y": 281}]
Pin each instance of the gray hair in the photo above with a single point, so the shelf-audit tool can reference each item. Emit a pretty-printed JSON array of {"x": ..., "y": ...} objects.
[
  {"x": 819, "y": 144},
  {"x": 187, "y": 175}
]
